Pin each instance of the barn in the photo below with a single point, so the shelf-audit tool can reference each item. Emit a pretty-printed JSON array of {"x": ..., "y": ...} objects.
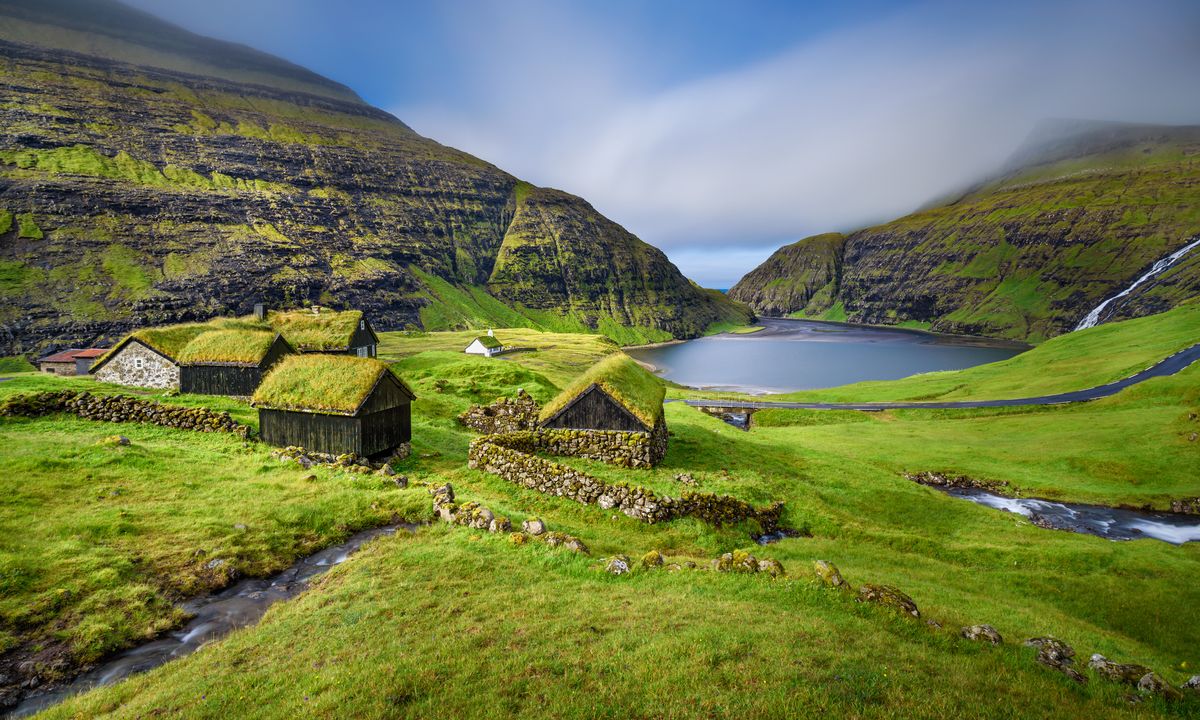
[
  {"x": 335, "y": 404},
  {"x": 229, "y": 362},
  {"x": 614, "y": 394},
  {"x": 321, "y": 330}
]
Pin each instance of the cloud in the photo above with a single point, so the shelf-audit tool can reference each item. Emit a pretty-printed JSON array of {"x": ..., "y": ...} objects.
[{"x": 854, "y": 127}]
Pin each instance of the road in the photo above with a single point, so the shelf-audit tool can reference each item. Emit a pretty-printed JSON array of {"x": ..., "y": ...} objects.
[{"x": 1169, "y": 366}]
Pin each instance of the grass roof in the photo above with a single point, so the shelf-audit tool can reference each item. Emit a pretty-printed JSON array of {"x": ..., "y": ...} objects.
[
  {"x": 627, "y": 382},
  {"x": 170, "y": 340},
  {"x": 228, "y": 346},
  {"x": 331, "y": 384},
  {"x": 489, "y": 342},
  {"x": 327, "y": 330}
]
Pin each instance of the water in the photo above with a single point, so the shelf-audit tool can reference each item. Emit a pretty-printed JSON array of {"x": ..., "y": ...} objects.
[
  {"x": 794, "y": 355},
  {"x": 1093, "y": 318},
  {"x": 215, "y": 616},
  {"x": 1106, "y": 522}
]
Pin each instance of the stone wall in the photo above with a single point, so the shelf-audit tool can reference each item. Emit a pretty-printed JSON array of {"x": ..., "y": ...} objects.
[
  {"x": 511, "y": 456},
  {"x": 503, "y": 416},
  {"x": 139, "y": 366},
  {"x": 122, "y": 408}
]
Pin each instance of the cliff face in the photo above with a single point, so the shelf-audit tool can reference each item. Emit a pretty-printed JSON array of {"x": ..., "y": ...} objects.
[
  {"x": 802, "y": 277},
  {"x": 1025, "y": 256},
  {"x": 135, "y": 194}
]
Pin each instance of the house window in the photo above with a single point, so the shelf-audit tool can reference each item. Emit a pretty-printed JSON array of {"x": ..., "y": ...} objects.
[
  {"x": 137, "y": 363},
  {"x": 364, "y": 351}
]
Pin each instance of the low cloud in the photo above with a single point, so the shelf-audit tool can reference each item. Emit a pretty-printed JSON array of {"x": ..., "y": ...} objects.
[{"x": 841, "y": 131}]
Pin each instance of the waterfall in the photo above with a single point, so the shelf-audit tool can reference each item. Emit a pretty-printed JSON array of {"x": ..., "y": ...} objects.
[{"x": 1093, "y": 318}]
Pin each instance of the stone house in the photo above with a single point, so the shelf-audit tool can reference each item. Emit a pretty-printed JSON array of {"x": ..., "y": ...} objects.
[
  {"x": 135, "y": 362},
  {"x": 75, "y": 361}
]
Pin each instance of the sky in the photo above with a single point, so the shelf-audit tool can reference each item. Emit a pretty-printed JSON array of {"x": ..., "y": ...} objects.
[{"x": 719, "y": 131}]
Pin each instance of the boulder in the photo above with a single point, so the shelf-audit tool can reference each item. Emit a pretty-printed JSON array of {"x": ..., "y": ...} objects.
[
  {"x": 652, "y": 559},
  {"x": 1052, "y": 651},
  {"x": 617, "y": 565},
  {"x": 400, "y": 480},
  {"x": 888, "y": 596},
  {"x": 1193, "y": 684},
  {"x": 500, "y": 525},
  {"x": 1117, "y": 672},
  {"x": 982, "y": 633},
  {"x": 1153, "y": 684},
  {"x": 772, "y": 567},
  {"x": 518, "y": 538},
  {"x": 574, "y": 544},
  {"x": 738, "y": 561},
  {"x": 829, "y": 575},
  {"x": 534, "y": 526}
]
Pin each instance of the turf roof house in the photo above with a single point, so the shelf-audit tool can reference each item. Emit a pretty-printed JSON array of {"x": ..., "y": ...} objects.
[
  {"x": 335, "y": 404},
  {"x": 148, "y": 357},
  {"x": 320, "y": 330},
  {"x": 615, "y": 394},
  {"x": 229, "y": 362},
  {"x": 485, "y": 345}
]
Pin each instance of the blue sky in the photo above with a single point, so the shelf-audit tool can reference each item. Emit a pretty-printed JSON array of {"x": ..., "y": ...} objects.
[{"x": 721, "y": 130}]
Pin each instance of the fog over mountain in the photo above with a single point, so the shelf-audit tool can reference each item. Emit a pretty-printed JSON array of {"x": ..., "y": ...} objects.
[{"x": 852, "y": 123}]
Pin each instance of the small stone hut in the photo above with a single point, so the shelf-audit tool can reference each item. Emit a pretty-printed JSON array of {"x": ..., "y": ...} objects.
[
  {"x": 615, "y": 394},
  {"x": 320, "y": 330},
  {"x": 76, "y": 361},
  {"x": 147, "y": 357},
  {"x": 229, "y": 362},
  {"x": 335, "y": 404}
]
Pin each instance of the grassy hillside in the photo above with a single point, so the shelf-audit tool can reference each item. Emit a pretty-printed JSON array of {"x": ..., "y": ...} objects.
[
  {"x": 427, "y": 624},
  {"x": 1025, "y": 255},
  {"x": 159, "y": 176}
]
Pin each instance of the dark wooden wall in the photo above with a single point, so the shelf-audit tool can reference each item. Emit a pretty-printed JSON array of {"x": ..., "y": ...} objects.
[
  {"x": 383, "y": 431},
  {"x": 337, "y": 434},
  {"x": 363, "y": 336},
  {"x": 219, "y": 379},
  {"x": 595, "y": 410}
]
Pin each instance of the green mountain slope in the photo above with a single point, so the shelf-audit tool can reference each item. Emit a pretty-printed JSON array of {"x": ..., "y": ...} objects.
[
  {"x": 1078, "y": 216},
  {"x": 148, "y": 175}
]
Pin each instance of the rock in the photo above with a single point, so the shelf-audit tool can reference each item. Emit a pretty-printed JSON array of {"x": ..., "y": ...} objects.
[
  {"x": 1052, "y": 650},
  {"x": 982, "y": 633},
  {"x": 387, "y": 470},
  {"x": 481, "y": 518},
  {"x": 534, "y": 526},
  {"x": 606, "y": 502},
  {"x": 1193, "y": 684},
  {"x": 617, "y": 565},
  {"x": 772, "y": 567},
  {"x": 445, "y": 492},
  {"x": 574, "y": 544},
  {"x": 738, "y": 561},
  {"x": 673, "y": 567},
  {"x": 686, "y": 479},
  {"x": 518, "y": 538},
  {"x": 934, "y": 624},
  {"x": 500, "y": 525},
  {"x": 121, "y": 440},
  {"x": 652, "y": 559},
  {"x": 1117, "y": 672},
  {"x": 239, "y": 526},
  {"x": 1153, "y": 684},
  {"x": 888, "y": 596},
  {"x": 401, "y": 481},
  {"x": 215, "y": 563},
  {"x": 829, "y": 575}
]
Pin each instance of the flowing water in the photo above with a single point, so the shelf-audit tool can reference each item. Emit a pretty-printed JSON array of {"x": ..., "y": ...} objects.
[
  {"x": 794, "y": 355},
  {"x": 1106, "y": 522},
  {"x": 214, "y": 616},
  {"x": 1093, "y": 318}
]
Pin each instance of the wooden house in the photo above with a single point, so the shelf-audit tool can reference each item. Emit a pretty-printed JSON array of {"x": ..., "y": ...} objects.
[
  {"x": 485, "y": 345},
  {"x": 229, "y": 362},
  {"x": 334, "y": 404},
  {"x": 614, "y": 394},
  {"x": 75, "y": 361},
  {"x": 321, "y": 330}
]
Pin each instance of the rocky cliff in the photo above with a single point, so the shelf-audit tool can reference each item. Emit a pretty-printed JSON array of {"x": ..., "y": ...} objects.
[
  {"x": 1080, "y": 213},
  {"x": 148, "y": 175}
]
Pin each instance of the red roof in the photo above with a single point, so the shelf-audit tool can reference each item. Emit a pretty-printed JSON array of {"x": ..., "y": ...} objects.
[{"x": 71, "y": 355}]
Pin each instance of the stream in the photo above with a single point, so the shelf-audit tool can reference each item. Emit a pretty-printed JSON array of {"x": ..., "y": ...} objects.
[
  {"x": 1106, "y": 522},
  {"x": 214, "y": 616}
]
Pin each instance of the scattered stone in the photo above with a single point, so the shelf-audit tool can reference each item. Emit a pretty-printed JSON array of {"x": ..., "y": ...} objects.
[
  {"x": 1057, "y": 655},
  {"x": 738, "y": 561},
  {"x": 617, "y": 565},
  {"x": 1189, "y": 506},
  {"x": 401, "y": 481},
  {"x": 1153, "y": 684},
  {"x": 117, "y": 440},
  {"x": 689, "y": 565},
  {"x": 673, "y": 567},
  {"x": 686, "y": 479},
  {"x": 982, "y": 633},
  {"x": 829, "y": 575},
  {"x": 574, "y": 544},
  {"x": 1193, "y": 684},
  {"x": 936, "y": 625},
  {"x": 500, "y": 525},
  {"x": 941, "y": 480},
  {"x": 888, "y": 596},
  {"x": 239, "y": 526},
  {"x": 518, "y": 538},
  {"x": 772, "y": 567},
  {"x": 534, "y": 526},
  {"x": 1117, "y": 672},
  {"x": 652, "y": 559},
  {"x": 215, "y": 563},
  {"x": 387, "y": 470}
]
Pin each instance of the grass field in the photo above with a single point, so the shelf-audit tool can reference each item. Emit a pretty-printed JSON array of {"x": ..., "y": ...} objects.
[{"x": 453, "y": 622}]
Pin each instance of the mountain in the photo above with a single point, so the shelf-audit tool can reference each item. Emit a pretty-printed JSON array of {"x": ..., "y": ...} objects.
[
  {"x": 150, "y": 175},
  {"x": 1080, "y": 211}
]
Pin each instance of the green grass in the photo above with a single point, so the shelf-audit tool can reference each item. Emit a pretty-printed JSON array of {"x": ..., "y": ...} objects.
[
  {"x": 97, "y": 540},
  {"x": 748, "y": 330},
  {"x": 228, "y": 346},
  {"x": 454, "y": 622},
  {"x": 15, "y": 364},
  {"x": 327, "y": 330}
]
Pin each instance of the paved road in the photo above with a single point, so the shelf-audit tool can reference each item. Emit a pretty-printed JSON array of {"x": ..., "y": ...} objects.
[{"x": 1169, "y": 366}]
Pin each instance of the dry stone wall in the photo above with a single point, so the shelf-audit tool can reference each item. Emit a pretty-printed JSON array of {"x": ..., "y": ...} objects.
[
  {"x": 503, "y": 416},
  {"x": 139, "y": 366},
  {"x": 122, "y": 408},
  {"x": 512, "y": 457}
]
